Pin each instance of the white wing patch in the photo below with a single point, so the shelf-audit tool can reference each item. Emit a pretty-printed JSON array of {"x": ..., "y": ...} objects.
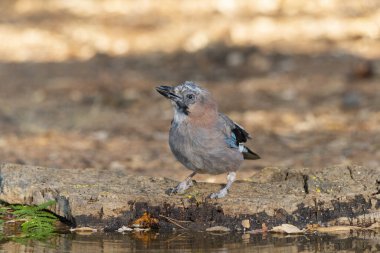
[{"x": 242, "y": 148}]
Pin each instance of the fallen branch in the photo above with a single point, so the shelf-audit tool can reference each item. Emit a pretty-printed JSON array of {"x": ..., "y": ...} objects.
[{"x": 171, "y": 220}]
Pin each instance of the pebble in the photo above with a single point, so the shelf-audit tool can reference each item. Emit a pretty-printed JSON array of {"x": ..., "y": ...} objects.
[{"x": 218, "y": 229}]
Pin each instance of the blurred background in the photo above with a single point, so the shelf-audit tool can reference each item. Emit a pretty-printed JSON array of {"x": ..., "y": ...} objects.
[{"x": 77, "y": 80}]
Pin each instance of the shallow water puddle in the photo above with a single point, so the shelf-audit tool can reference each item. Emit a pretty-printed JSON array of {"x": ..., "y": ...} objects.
[{"x": 199, "y": 242}]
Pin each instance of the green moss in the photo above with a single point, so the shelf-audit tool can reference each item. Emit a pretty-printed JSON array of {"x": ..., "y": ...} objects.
[{"x": 39, "y": 223}]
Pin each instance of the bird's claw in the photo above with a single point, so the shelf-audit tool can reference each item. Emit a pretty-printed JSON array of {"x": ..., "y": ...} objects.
[
  {"x": 218, "y": 195},
  {"x": 180, "y": 188}
]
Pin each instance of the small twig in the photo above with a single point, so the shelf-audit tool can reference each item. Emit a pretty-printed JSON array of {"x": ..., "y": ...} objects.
[{"x": 172, "y": 221}]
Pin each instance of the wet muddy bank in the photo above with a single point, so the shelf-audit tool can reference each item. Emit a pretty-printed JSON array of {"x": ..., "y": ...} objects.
[{"x": 109, "y": 199}]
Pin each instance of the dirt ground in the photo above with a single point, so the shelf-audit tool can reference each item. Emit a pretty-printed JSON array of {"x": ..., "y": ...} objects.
[{"x": 77, "y": 80}]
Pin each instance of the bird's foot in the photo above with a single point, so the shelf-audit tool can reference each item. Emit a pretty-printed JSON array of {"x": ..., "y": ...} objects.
[
  {"x": 180, "y": 188},
  {"x": 218, "y": 195}
]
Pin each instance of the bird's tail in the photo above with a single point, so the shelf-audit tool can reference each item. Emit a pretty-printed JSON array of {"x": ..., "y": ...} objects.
[{"x": 249, "y": 155}]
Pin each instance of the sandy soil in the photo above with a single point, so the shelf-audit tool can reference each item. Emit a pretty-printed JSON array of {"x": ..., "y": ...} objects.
[{"x": 77, "y": 80}]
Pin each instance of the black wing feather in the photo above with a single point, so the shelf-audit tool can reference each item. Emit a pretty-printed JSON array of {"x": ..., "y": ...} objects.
[{"x": 241, "y": 136}]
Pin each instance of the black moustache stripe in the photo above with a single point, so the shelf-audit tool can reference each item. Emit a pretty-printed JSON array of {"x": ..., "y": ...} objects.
[{"x": 182, "y": 108}]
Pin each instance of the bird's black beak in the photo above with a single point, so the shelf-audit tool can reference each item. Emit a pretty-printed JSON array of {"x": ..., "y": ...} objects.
[{"x": 168, "y": 92}]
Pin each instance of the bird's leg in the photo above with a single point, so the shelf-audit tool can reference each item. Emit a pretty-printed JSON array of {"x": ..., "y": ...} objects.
[
  {"x": 183, "y": 186},
  {"x": 223, "y": 192}
]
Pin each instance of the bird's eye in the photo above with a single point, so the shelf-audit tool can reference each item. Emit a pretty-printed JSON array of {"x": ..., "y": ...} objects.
[{"x": 190, "y": 96}]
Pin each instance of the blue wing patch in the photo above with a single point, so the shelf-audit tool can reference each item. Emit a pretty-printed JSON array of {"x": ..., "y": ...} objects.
[{"x": 231, "y": 141}]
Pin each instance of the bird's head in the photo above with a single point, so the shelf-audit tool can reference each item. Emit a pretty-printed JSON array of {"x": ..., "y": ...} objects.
[{"x": 189, "y": 99}]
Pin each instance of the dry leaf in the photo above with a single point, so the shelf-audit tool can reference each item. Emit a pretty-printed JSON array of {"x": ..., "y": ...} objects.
[
  {"x": 145, "y": 221},
  {"x": 264, "y": 228},
  {"x": 286, "y": 229},
  {"x": 218, "y": 229},
  {"x": 246, "y": 224}
]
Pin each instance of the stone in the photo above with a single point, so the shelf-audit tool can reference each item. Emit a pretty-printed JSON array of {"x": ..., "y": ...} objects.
[
  {"x": 218, "y": 229},
  {"x": 124, "y": 228},
  {"x": 83, "y": 230},
  {"x": 108, "y": 199},
  {"x": 286, "y": 229}
]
